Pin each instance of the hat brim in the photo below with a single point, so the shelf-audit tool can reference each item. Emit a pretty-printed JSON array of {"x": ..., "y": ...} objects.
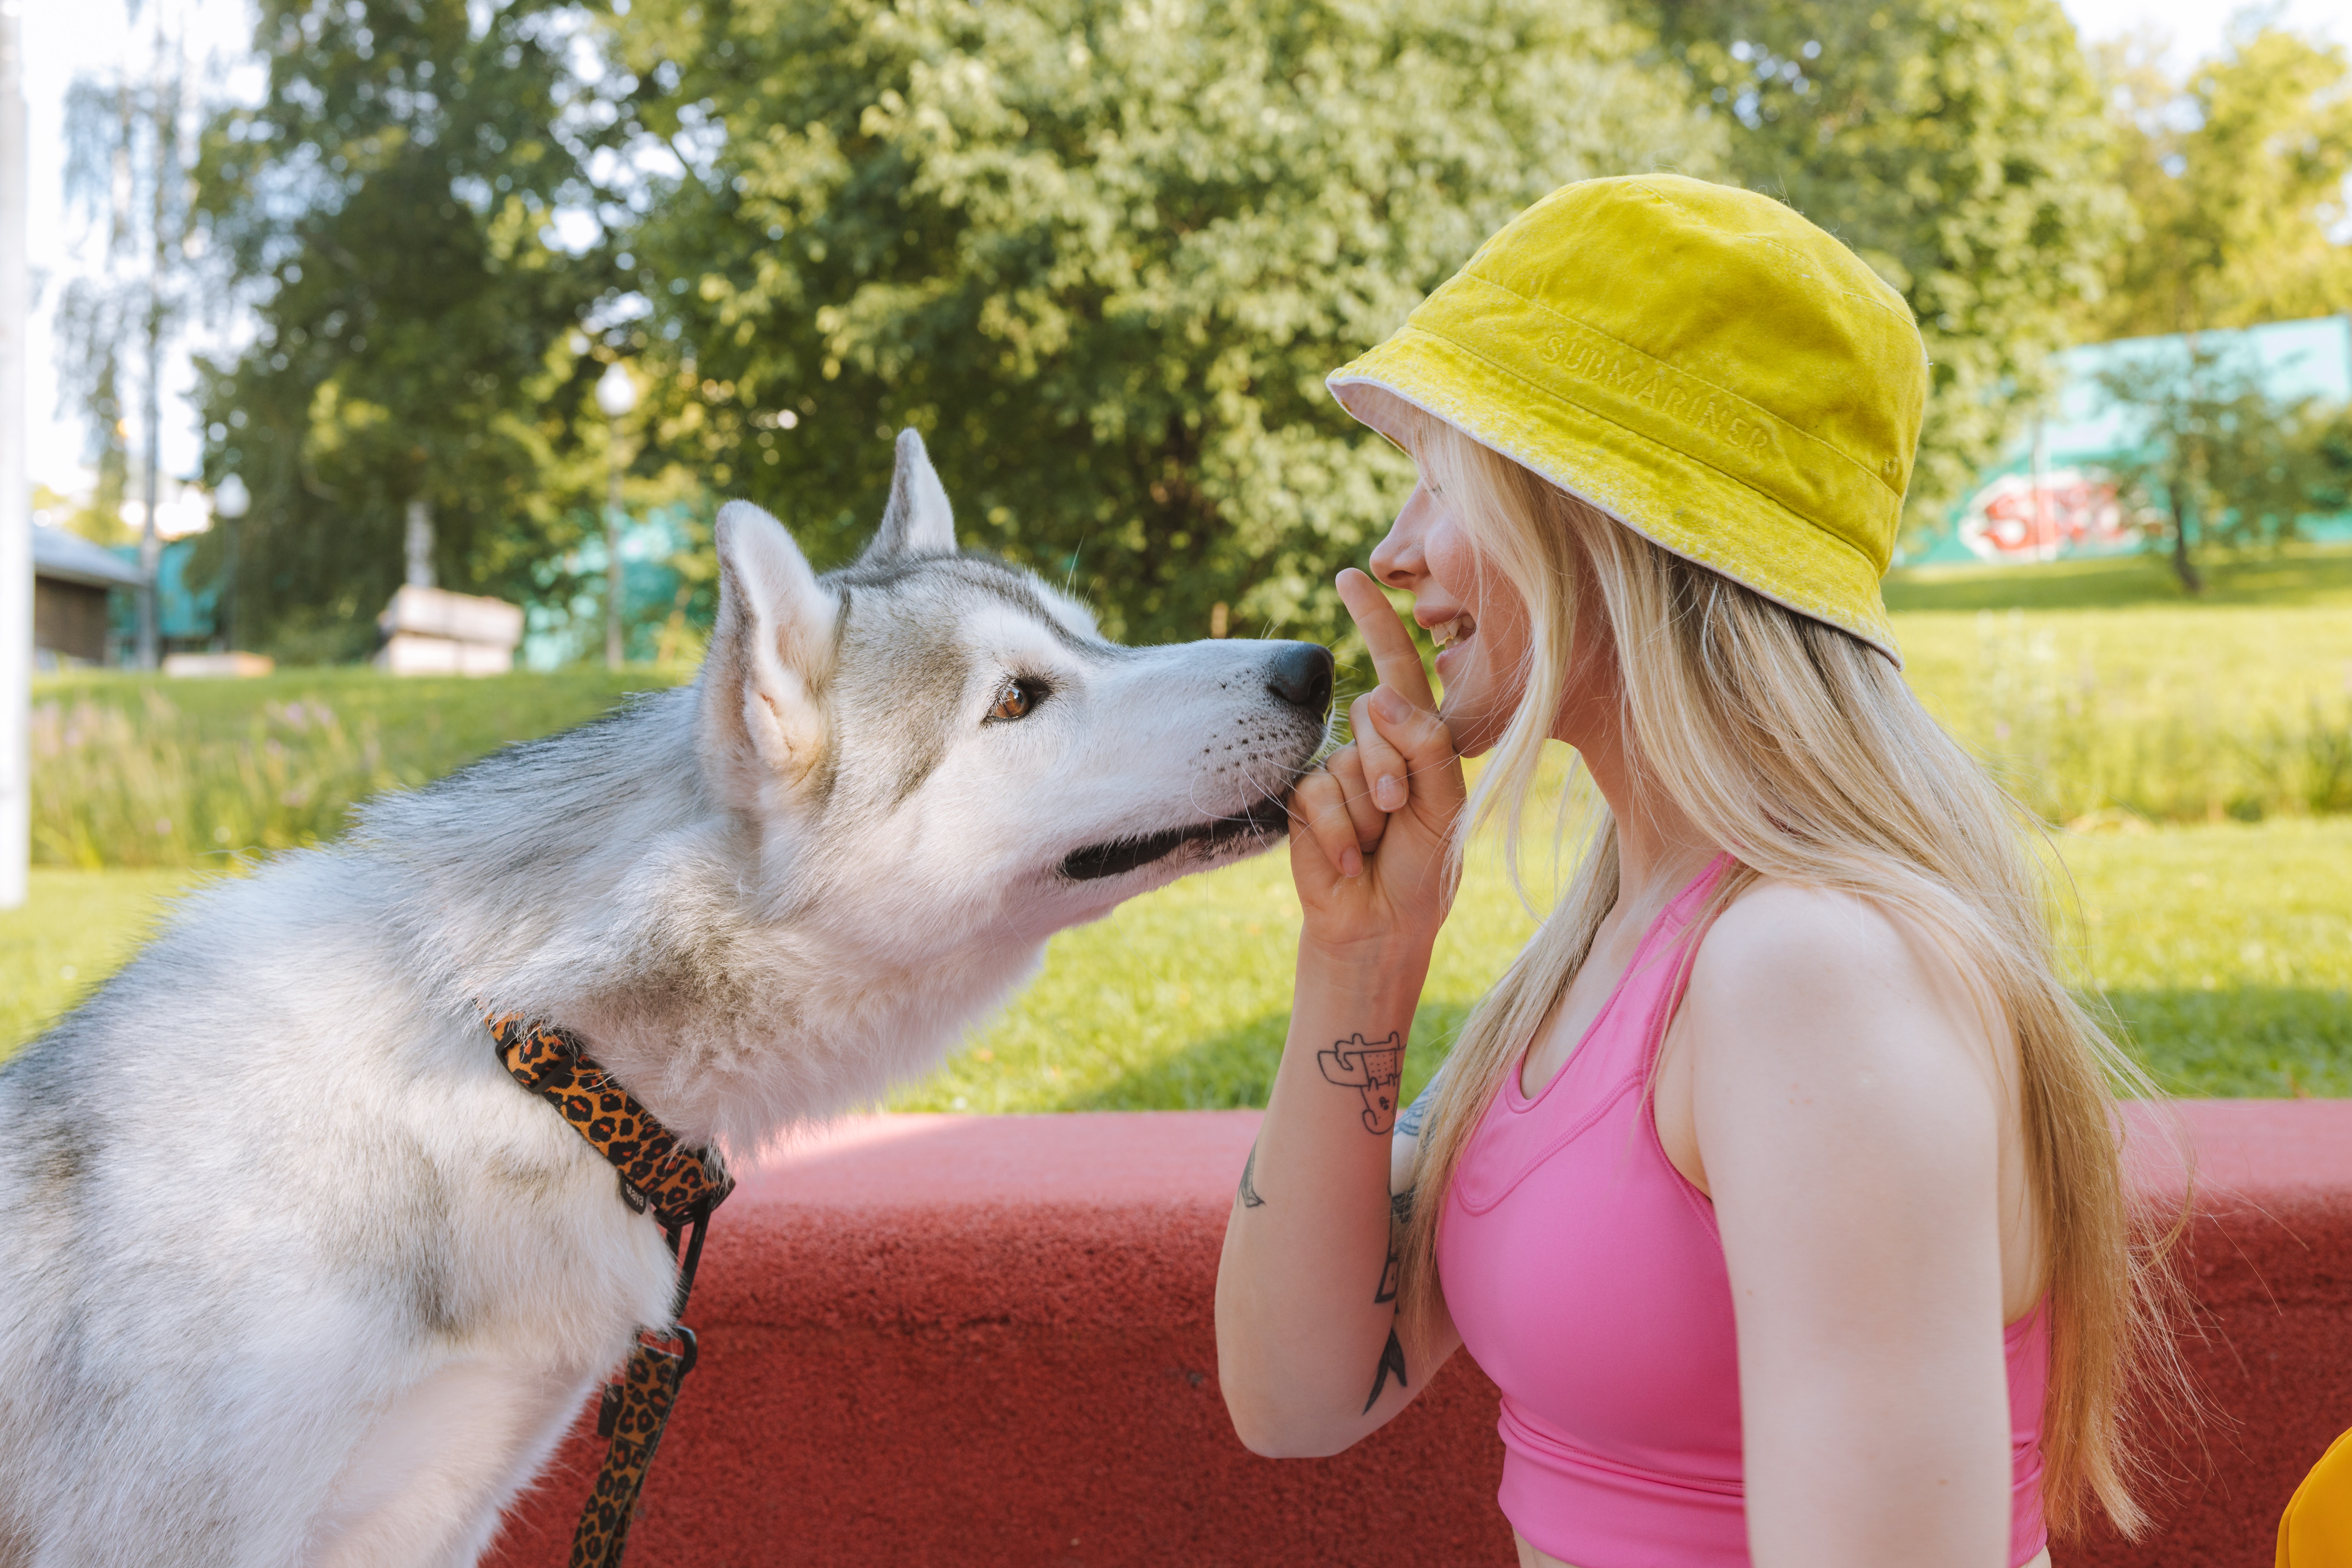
[{"x": 1677, "y": 503}]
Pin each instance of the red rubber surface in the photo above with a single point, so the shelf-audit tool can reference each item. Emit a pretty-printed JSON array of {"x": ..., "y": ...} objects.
[{"x": 988, "y": 1340}]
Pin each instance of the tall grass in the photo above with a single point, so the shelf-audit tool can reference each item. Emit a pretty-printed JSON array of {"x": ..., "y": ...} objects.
[
  {"x": 2087, "y": 724},
  {"x": 113, "y": 789},
  {"x": 2133, "y": 711},
  {"x": 132, "y": 771}
]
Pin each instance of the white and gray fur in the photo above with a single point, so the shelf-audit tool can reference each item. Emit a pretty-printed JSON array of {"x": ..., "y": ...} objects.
[{"x": 291, "y": 1271}]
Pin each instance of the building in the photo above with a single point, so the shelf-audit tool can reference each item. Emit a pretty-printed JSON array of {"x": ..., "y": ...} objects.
[
  {"x": 72, "y": 580},
  {"x": 2049, "y": 497}
]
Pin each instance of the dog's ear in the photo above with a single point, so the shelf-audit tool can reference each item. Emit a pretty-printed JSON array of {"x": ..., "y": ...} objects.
[
  {"x": 917, "y": 521},
  {"x": 769, "y": 653}
]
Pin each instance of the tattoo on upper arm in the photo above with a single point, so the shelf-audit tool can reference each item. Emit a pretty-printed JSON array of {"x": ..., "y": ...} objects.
[
  {"x": 1410, "y": 1120},
  {"x": 1374, "y": 1069},
  {"x": 1250, "y": 1200},
  {"x": 1400, "y": 1206},
  {"x": 1391, "y": 1361}
]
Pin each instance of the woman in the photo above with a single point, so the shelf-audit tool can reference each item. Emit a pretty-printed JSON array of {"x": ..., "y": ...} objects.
[{"x": 1777, "y": 1182}]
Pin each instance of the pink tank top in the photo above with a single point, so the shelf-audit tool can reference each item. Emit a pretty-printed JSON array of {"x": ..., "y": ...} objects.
[{"x": 1587, "y": 1278}]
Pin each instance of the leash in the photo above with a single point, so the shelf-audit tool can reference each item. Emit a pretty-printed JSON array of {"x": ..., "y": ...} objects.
[{"x": 681, "y": 1186}]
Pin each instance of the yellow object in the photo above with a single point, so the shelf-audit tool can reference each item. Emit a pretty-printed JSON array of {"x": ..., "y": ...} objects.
[
  {"x": 2316, "y": 1531},
  {"x": 1697, "y": 361}
]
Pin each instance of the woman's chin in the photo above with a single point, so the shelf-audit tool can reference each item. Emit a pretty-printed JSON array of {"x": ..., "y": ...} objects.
[{"x": 1474, "y": 735}]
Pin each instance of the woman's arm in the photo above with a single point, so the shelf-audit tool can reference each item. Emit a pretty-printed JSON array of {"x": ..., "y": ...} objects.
[
  {"x": 1847, "y": 1105},
  {"x": 1311, "y": 1354}
]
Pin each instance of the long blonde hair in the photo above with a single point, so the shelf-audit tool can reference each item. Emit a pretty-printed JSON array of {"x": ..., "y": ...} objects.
[{"x": 1801, "y": 748}]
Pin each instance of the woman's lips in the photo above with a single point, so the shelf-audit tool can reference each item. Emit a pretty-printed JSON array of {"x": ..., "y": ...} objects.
[{"x": 1452, "y": 633}]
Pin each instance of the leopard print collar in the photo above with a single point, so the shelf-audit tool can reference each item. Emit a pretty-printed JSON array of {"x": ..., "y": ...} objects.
[{"x": 679, "y": 1185}]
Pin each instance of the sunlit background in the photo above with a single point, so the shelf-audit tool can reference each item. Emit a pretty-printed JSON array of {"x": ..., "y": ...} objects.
[{"x": 421, "y": 419}]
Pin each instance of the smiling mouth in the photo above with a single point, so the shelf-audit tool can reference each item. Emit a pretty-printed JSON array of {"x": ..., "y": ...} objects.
[
  {"x": 1460, "y": 630},
  {"x": 1267, "y": 818}
]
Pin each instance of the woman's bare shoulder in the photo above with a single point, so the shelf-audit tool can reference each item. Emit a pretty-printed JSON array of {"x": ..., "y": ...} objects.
[
  {"x": 1778, "y": 934},
  {"x": 1833, "y": 968}
]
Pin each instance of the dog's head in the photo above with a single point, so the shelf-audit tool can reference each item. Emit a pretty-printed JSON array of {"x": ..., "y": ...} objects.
[{"x": 951, "y": 738}]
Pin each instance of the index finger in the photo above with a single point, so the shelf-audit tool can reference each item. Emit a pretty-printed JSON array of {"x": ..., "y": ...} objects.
[{"x": 1394, "y": 658}]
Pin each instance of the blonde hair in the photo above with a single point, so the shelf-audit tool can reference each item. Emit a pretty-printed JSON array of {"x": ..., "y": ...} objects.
[{"x": 1800, "y": 748}]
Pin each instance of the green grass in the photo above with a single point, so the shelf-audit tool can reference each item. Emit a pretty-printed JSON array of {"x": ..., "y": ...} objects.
[
  {"x": 144, "y": 770},
  {"x": 2109, "y": 693},
  {"x": 2094, "y": 687},
  {"x": 2297, "y": 576},
  {"x": 2226, "y": 951},
  {"x": 75, "y": 929},
  {"x": 2169, "y": 713},
  {"x": 2097, "y": 687}
]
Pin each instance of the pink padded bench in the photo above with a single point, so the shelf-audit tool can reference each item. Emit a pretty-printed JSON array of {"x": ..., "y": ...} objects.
[{"x": 988, "y": 1340}]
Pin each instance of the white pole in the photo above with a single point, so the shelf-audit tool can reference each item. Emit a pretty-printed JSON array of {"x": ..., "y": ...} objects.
[{"x": 16, "y": 485}]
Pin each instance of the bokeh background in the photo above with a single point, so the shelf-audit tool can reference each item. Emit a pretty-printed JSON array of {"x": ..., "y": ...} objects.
[{"x": 328, "y": 290}]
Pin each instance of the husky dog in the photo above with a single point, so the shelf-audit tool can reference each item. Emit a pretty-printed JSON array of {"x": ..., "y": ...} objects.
[{"x": 291, "y": 1271}]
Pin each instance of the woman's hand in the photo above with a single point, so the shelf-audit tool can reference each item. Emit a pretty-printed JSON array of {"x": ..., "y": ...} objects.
[{"x": 1369, "y": 830}]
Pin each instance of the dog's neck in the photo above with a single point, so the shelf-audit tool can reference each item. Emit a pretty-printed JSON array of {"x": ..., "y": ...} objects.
[{"x": 593, "y": 881}]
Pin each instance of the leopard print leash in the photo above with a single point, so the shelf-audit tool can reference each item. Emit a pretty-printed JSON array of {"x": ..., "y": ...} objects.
[{"x": 681, "y": 1186}]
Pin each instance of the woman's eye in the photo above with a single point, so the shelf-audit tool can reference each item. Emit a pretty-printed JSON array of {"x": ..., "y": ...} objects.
[{"x": 1016, "y": 701}]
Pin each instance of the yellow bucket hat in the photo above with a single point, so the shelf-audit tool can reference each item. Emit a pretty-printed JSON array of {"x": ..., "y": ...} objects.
[{"x": 1697, "y": 361}]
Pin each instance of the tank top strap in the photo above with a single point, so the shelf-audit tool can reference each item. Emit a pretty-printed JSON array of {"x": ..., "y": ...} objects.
[{"x": 1654, "y": 981}]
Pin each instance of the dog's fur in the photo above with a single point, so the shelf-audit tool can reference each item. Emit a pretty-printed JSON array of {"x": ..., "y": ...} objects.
[{"x": 292, "y": 1272}]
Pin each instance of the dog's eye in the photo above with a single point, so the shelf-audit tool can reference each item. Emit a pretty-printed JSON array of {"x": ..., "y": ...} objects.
[{"x": 1015, "y": 699}]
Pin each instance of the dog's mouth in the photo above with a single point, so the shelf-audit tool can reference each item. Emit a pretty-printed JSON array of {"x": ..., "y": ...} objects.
[{"x": 1266, "y": 818}]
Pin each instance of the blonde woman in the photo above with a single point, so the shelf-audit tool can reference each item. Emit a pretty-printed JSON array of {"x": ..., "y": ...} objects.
[{"x": 1777, "y": 1182}]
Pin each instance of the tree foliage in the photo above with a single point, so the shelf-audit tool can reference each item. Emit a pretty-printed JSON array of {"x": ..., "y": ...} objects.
[
  {"x": 1102, "y": 254},
  {"x": 1961, "y": 148},
  {"x": 2222, "y": 460},
  {"x": 388, "y": 205},
  {"x": 2238, "y": 177}
]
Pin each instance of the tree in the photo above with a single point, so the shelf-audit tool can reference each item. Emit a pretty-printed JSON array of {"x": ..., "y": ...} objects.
[
  {"x": 419, "y": 353},
  {"x": 1102, "y": 254},
  {"x": 1961, "y": 149},
  {"x": 2238, "y": 178},
  {"x": 2221, "y": 459},
  {"x": 130, "y": 157}
]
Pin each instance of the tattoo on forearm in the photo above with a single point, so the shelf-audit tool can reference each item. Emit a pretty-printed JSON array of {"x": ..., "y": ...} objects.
[
  {"x": 1250, "y": 1200},
  {"x": 1400, "y": 1214},
  {"x": 1391, "y": 1361},
  {"x": 1373, "y": 1068}
]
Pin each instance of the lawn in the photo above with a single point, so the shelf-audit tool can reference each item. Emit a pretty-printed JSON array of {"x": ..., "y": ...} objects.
[
  {"x": 138, "y": 770},
  {"x": 2225, "y": 949},
  {"x": 2106, "y": 698},
  {"x": 2297, "y": 576}
]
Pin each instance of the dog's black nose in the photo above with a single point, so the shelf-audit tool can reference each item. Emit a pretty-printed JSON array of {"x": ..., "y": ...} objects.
[{"x": 1301, "y": 675}]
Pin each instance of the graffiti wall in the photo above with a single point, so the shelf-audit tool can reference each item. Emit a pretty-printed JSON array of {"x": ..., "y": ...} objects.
[
  {"x": 2049, "y": 497},
  {"x": 2066, "y": 512}
]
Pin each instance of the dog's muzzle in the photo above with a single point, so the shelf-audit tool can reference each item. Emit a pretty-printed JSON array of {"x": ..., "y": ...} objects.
[{"x": 1269, "y": 818}]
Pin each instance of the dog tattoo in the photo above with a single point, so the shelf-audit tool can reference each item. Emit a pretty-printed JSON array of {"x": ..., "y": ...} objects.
[{"x": 1372, "y": 1068}]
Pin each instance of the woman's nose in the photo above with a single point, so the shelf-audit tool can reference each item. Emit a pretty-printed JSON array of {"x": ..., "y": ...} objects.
[{"x": 1396, "y": 559}]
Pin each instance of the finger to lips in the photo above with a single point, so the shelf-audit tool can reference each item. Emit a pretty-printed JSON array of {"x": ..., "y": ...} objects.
[
  {"x": 1404, "y": 711},
  {"x": 1394, "y": 658}
]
